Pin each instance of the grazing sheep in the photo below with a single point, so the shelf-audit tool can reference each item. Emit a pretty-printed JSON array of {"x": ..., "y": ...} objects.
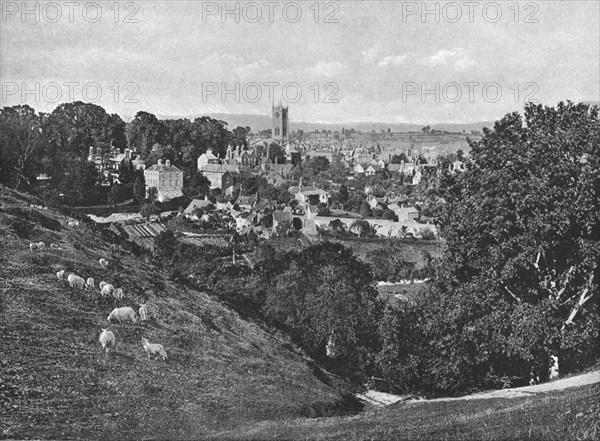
[
  {"x": 103, "y": 263},
  {"x": 41, "y": 246},
  {"x": 102, "y": 285},
  {"x": 60, "y": 275},
  {"x": 107, "y": 290},
  {"x": 53, "y": 245},
  {"x": 118, "y": 294},
  {"x": 75, "y": 281},
  {"x": 107, "y": 338},
  {"x": 89, "y": 283},
  {"x": 123, "y": 313},
  {"x": 154, "y": 348},
  {"x": 33, "y": 246},
  {"x": 143, "y": 312}
]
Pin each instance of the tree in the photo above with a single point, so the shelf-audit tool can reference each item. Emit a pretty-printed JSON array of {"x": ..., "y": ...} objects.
[
  {"x": 399, "y": 159},
  {"x": 143, "y": 132},
  {"x": 117, "y": 194},
  {"x": 523, "y": 230},
  {"x": 80, "y": 184},
  {"x": 152, "y": 194},
  {"x": 325, "y": 293},
  {"x": 276, "y": 153},
  {"x": 20, "y": 144},
  {"x": 363, "y": 228},
  {"x": 139, "y": 187}
]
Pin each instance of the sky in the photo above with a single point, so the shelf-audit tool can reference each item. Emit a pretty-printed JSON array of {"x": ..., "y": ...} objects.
[{"x": 381, "y": 61}]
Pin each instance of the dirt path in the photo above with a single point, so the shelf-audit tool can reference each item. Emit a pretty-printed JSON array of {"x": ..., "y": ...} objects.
[
  {"x": 380, "y": 399},
  {"x": 565, "y": 383}
]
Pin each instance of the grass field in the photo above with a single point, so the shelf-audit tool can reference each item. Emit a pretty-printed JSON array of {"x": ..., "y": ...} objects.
[
  {"x": 571, "y": 414},
  {"x": 55, "y": 382}
]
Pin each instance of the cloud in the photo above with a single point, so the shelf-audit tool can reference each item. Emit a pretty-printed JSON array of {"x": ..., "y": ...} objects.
[
  {"x": 326, "y": 69},
  {"x": 457, "y": 57},
  {"x": 394, "y": 60},
  {"x": 369, "y": 55}
]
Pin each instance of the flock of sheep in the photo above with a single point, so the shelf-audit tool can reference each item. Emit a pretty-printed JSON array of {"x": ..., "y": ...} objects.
[{"x": 107, "y": 337}]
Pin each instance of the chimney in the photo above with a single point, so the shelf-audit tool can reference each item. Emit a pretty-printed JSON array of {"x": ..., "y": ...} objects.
[
  {"x": 168, "y": 163},
  {"x": 91, "y": 151},
  {"x": 160, "y": 162}
]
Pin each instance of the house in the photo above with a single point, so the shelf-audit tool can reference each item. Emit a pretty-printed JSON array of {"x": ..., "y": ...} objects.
[
  {"x": 197, "y": 204},
  {"x": 310, "y": 195},
  {"x": 371, "y": 169},
  {"x": 374, "y": 202},
  {"x": 220, "y": 175},
  {"x": 207, "y": 158},
  {"x": 404, "y": 213},
  {"x": 246, "y": 202},
  {"x": 166, "y": 178},
  {"x": 360, "y": 168},
  {"x": 280, "y": 217},
  {"x": 395, "y": 168}
]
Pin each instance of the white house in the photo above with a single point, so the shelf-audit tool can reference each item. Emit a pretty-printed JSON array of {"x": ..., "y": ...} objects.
[{"x": 166, "y": 178}]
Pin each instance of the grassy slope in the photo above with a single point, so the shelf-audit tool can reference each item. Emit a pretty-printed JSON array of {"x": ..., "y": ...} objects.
[
  {"x": 56, "y": 383},
  {"x": 564, "y": 415}
]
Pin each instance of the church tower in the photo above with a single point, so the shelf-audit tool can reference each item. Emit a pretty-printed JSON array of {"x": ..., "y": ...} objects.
[{"x": 280, "y": 123}]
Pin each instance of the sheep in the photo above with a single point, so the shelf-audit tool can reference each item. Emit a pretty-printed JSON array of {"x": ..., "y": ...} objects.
[
  {"x": 89, "y": 283},
  {"x": 103, "y": 263},
  {"x": 102, "y": 285},
  {"x": 60, "y": 275},
  {"x": 53, "y": 245},
  {"x": 107, "y": 290},
  {"x": 123, "y": 313},
  {"x": 154, "y": 348},
  {"x": 75, "y": 281},
  {"x": 107, "y": 338},
  {"x": 118, "y": 294},
  {"x": 33, "y": 246},
  {"x": 143, "y": 312},
  {"x": 41, "y": 246}
]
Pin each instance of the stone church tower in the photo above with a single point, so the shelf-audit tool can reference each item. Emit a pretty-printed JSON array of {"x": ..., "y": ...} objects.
[{"x": 280, "y": 123}]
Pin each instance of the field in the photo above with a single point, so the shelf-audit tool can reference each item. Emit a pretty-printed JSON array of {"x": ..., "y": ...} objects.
[
  {"x": 56, "y": 382},
  {"x": 572, "y": 414}
]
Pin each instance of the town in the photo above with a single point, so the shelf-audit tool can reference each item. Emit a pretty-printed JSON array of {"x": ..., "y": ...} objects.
[{"x": 276, "y": 182}]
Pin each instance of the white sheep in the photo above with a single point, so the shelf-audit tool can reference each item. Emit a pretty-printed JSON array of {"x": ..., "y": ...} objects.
[
  {"x": 143, "y": 312},
  {"x": 102, "y": 285},
  {"x": 33, "y": 246},
  {"x": 154, "y": 348},
  {"x": 60, "y": 275},
  {"x": 107, "y": 338},
  {"x": 123, "y": 313},
  {"x": 107, "y": 290},
  {"x": 103, "y": 263},
  {"x": 53, "y": 245},
  {"x": 75, "y": 281},
  {"x": 118, "y": 294},
  {"x": 41, "y": 246},
  {"x": 89, "y": 283}
]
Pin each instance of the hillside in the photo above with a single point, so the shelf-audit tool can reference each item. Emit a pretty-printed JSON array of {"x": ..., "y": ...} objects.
[{"x": 56, "y": 382}]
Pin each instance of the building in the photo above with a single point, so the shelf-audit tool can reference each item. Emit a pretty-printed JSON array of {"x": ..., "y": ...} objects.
[
  {"x": 166, "y": 178},
  {"x": 280, "y": 123},
  {"x": 310, "y": 195}
]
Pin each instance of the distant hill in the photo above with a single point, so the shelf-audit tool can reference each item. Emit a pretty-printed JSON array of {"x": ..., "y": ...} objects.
[{"x": 263, "y": 122}]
